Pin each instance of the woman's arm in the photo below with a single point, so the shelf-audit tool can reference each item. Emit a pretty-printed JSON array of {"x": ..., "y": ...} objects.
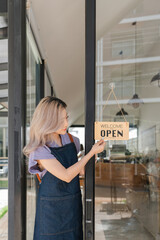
[
  {"x": 82, "y": 172},
  {"x": 80, "y": 155},
  {"x": 67, "y": 174}
]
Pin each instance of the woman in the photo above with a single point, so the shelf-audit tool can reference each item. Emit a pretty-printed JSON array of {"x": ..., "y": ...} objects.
[{"x": 52, "y": 156}]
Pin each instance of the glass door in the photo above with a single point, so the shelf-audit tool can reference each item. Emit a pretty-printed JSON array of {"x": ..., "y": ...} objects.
[
  {"x": 34, "y": 65},
  {"x": 127, "y": 180}
]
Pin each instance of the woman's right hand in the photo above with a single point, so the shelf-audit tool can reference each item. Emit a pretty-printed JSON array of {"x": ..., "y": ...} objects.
[{"x": 98, "y": 147}]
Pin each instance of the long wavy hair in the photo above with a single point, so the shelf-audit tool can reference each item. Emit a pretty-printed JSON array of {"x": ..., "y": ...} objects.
[{"x": 46, "y": 120}]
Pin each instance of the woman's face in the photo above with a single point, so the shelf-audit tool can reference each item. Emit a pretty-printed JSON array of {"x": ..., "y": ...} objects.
[{"x": 64, "y": 122}]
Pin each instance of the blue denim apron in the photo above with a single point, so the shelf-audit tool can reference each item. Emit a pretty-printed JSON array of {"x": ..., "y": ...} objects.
[{"x": 59, "y": 204}]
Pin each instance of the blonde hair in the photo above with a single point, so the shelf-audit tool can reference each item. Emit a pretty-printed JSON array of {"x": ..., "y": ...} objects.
[{"x": 46, "y": 120}]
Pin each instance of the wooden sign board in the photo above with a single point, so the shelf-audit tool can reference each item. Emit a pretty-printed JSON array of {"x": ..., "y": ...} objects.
[{"x": 111, "y": 130}]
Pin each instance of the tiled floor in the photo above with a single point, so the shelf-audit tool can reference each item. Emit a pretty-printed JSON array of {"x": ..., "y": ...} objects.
[
  {"x": 4, "y": 219},
  {"x": 114, "y": 221},
  {"x": 30, "y": 211},
  {"x": 131, "y": 215},
  {"x": 119, "y": 226},
  {"x": 125, "y": 229},
  {"x": 4, "y": 227},
  {"x": 114, "y": 228},
  {"x": 3, "y": 198}
]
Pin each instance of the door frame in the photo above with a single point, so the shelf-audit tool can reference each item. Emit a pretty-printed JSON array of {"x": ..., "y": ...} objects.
[
  {"x": 90, "y": 59},
  {"x": 16, "y": 119}
]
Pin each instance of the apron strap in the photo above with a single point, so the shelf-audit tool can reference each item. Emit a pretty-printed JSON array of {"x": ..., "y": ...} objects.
[
  {"x": 71, "y": 138},
  {"x": 38, "y": 177}
]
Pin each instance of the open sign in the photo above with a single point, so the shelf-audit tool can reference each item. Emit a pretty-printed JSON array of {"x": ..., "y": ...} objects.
[{"x": 112, "y": 130}]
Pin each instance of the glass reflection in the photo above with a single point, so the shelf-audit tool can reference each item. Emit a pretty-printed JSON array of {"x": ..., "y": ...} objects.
[
  {"x": 127, "y": 181},
  {"x": 32, "y": 78},
  {"x": 3, "y": 126}
]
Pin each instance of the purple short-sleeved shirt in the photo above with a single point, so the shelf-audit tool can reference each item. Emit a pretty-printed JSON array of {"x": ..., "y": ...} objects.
[{"x": 43, "y": 152}]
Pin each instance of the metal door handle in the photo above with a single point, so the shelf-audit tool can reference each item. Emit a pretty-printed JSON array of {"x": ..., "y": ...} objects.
[{"x": 88, "y": 210}]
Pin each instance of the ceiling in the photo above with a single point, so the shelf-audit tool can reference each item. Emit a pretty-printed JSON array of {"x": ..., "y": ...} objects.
[{"x": 59, "y": 27}]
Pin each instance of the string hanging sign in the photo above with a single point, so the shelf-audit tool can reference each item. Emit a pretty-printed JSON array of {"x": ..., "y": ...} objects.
[{"x": 112, "y": 130}]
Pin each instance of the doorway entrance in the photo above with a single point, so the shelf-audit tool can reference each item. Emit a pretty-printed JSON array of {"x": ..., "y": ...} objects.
[{"x": 122, "y": 192}]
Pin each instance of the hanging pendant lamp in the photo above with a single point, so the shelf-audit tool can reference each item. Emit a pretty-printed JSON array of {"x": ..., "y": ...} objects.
[
  {"x": 122, "y": 111},
  {"x": 155, "y": 81},
  {"x": 135, "y": 101}
]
